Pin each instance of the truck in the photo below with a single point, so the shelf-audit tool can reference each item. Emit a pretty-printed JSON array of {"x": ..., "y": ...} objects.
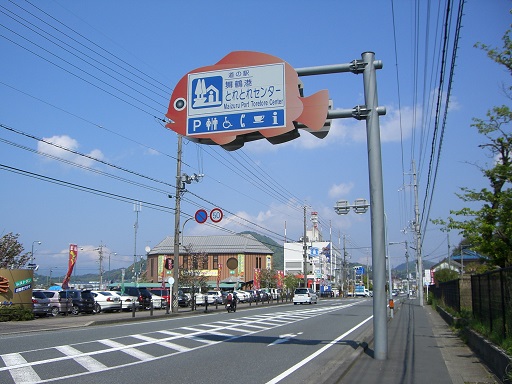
[{"x": 362, "y": 291}]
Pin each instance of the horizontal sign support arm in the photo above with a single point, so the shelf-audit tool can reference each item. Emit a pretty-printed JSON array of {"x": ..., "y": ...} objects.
[{"x": 356, "y": 66}]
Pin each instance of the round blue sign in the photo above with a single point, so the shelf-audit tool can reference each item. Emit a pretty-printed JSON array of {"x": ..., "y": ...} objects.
[{"x": 201, "y": 216}]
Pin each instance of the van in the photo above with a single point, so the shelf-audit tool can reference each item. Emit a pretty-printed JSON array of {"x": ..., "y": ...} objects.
[
  {"x": 58, "y": 305},
  {"x": 82, "y": 301}
]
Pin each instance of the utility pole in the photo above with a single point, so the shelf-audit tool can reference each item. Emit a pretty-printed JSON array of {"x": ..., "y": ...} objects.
[
  {"x": 100, "y": 251},
  {"x": 136, "y": 209},
  {"x": 407, "y": 266},
  {"x": 344, "y": 266},
  {"x": 305, "y": 251},
  {"x": 177, "y": 213},
  {"x": 417, "y": 229}
]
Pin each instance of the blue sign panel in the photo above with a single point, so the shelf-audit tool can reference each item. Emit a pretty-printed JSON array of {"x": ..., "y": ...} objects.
[
  {"x": 236, "y": 121},
  {"x": 236, "y": 99}
]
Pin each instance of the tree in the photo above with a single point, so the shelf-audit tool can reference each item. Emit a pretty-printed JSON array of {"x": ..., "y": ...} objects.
[
  {"x": 11, "y": 252},
  {"x": 291, "y": 282},
  {"x": 445, "y": 274},
  {"x": 489, "y": 228},
  {"x": 268, "y": 278}
]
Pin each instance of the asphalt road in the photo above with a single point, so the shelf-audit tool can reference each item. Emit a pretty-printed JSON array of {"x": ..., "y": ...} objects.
[{"x": 260, "y": 344}]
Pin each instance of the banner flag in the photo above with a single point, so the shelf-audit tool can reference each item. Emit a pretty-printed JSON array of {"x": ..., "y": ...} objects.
[{"x": 73, "y": 254}]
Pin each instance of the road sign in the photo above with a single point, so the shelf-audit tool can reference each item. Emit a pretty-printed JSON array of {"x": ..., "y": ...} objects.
[
  {"x": 201, "y": 216},
  {"x": 236, "y": 99},
  {"x": 216, "y": 215}
]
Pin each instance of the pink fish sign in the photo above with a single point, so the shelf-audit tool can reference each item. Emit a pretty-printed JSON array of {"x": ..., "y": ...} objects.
[{"x": 245, "y": 96}]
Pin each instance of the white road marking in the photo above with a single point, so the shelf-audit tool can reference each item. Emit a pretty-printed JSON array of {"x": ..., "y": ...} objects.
[
  {"x": 126, "y": 349},
  {"x": 88, "y": 362},
  {"x": 164, "y": 343},
  {"x": 24, "y": 375},
  {"x": 317, "y": 353}
]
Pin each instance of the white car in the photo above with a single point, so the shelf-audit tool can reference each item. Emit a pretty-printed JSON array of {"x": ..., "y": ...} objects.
[
  {"x": 157, "y": 300},
  {"x": 106, "y": 301},
  {"x": 127, "y": 301},
  {"x": 243, "y": 296},
  {"x": 199, "y": 298},
  {"x": 214, "y": 297},
  {"x": 304, "y": 295}
]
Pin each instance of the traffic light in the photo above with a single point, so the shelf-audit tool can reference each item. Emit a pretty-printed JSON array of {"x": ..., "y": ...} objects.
[{"x": 169, "y": 263}]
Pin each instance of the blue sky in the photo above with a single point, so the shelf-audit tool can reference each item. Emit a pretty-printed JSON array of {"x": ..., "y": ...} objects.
[{"x": 96, "y": 77}]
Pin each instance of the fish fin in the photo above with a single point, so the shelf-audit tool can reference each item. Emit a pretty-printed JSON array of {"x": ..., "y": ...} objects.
[
  {"x": 315, "y": 110},
  {"x": 221, "y": 139}
]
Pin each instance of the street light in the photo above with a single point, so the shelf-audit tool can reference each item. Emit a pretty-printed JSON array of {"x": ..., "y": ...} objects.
[
  {"x": 32, "y": 254},
  {"x": 115, "y": 253},
  {"x": 342, "y": 207}
]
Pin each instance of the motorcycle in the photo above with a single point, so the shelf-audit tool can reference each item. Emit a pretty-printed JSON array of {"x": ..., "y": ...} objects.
[{"x": 231, "y": 306}]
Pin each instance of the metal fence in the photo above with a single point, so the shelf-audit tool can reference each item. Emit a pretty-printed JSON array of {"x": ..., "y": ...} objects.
[
  {"x": 448, "y": 294},
  {"x": 491, "y": 297}
]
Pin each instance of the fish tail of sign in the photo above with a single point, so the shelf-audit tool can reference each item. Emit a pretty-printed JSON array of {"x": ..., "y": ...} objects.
[{"x": 315, "y": 110}]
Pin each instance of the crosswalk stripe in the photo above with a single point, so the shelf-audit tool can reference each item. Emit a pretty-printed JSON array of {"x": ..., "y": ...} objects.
[
  {"x": 134, "y": 352},
  {"x": 167, "y": 344},
  {"x": 88, "y": 362},
  {"x": 22, "y": 375}
]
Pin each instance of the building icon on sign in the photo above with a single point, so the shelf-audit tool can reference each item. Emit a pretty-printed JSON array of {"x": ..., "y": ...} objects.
[{"x": 207, "y": 92}]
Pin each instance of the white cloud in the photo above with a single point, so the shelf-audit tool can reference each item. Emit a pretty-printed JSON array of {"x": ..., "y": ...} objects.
[
  {"x": 59, "y": 150},
  {"x": 340, "y": 190}
]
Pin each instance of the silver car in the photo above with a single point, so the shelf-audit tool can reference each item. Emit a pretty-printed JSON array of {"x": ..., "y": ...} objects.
[
  {"x": 58, "y": 304},
  {"x": 304, "y": 295},
  {"x": 40, "y": 304}
]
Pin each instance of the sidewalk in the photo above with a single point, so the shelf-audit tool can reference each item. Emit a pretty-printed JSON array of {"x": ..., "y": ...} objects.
[{"x": 421, "y": 349}]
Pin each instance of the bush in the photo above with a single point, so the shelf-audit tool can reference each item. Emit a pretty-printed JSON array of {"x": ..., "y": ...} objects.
[{"x": 15, "y": 313}]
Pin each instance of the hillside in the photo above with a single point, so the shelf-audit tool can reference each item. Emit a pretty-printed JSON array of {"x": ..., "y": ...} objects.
[{"x": 278, "y": 249}]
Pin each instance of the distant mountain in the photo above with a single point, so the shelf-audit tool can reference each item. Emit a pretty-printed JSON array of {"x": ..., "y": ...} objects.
[{"x": 278, "y": 259}]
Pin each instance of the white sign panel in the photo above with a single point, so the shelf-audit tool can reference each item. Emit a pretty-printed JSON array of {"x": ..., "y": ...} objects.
[{"x": 236, "y": 99}]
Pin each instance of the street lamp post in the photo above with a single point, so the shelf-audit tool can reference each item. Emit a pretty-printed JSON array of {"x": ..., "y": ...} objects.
[
  {"x": 32, "y": 253},
  {"x": 115, "y": 253}
]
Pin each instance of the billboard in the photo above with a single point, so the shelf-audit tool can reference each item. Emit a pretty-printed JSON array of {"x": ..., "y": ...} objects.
[{"x": 16, "y": 287}]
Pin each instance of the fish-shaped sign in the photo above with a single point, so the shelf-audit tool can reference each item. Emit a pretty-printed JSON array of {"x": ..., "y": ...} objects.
[{"x": 245, "y": 96}]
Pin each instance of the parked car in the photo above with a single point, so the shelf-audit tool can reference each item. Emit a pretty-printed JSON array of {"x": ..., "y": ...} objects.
[
  {"x": 304, "y": 295},
  {"x": 264, "y": 295},
  {"x": 58, "y": 304},
  {"x": 183, "y": 300},
  {"x": 106, "y": 301},
  {"x": 40, "y": 304},
  {"x": 126, "y": 301},
  {"x": 214, "y": 297},
  {"x": 82, "y": 301},
  {"x": 158, "y": 301},
  {"x": 163, "y": 292},
  {"x": 243, "y": 296},
  {"x": 199, "y": 298},
  {"x": 254, "y": 295},
  {"x": 142, "y": 294}
]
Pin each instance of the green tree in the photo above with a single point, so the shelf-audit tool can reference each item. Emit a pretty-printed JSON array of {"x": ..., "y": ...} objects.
[
  {"x": 268, "y": 278},
  {"x": 11, "y": 252},
  {"x": 489, "y": 227},
  {"x": 445, "y": 274},
  {"x": 291, "y": 282}
]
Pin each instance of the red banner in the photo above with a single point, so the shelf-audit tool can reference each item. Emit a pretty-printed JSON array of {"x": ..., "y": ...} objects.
[
  {"x": 280, "y": 279},
  {"x": 257, "y": 278},
  {"x": 73, "y": 254},
  {"x": 219, "y": 270}
]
